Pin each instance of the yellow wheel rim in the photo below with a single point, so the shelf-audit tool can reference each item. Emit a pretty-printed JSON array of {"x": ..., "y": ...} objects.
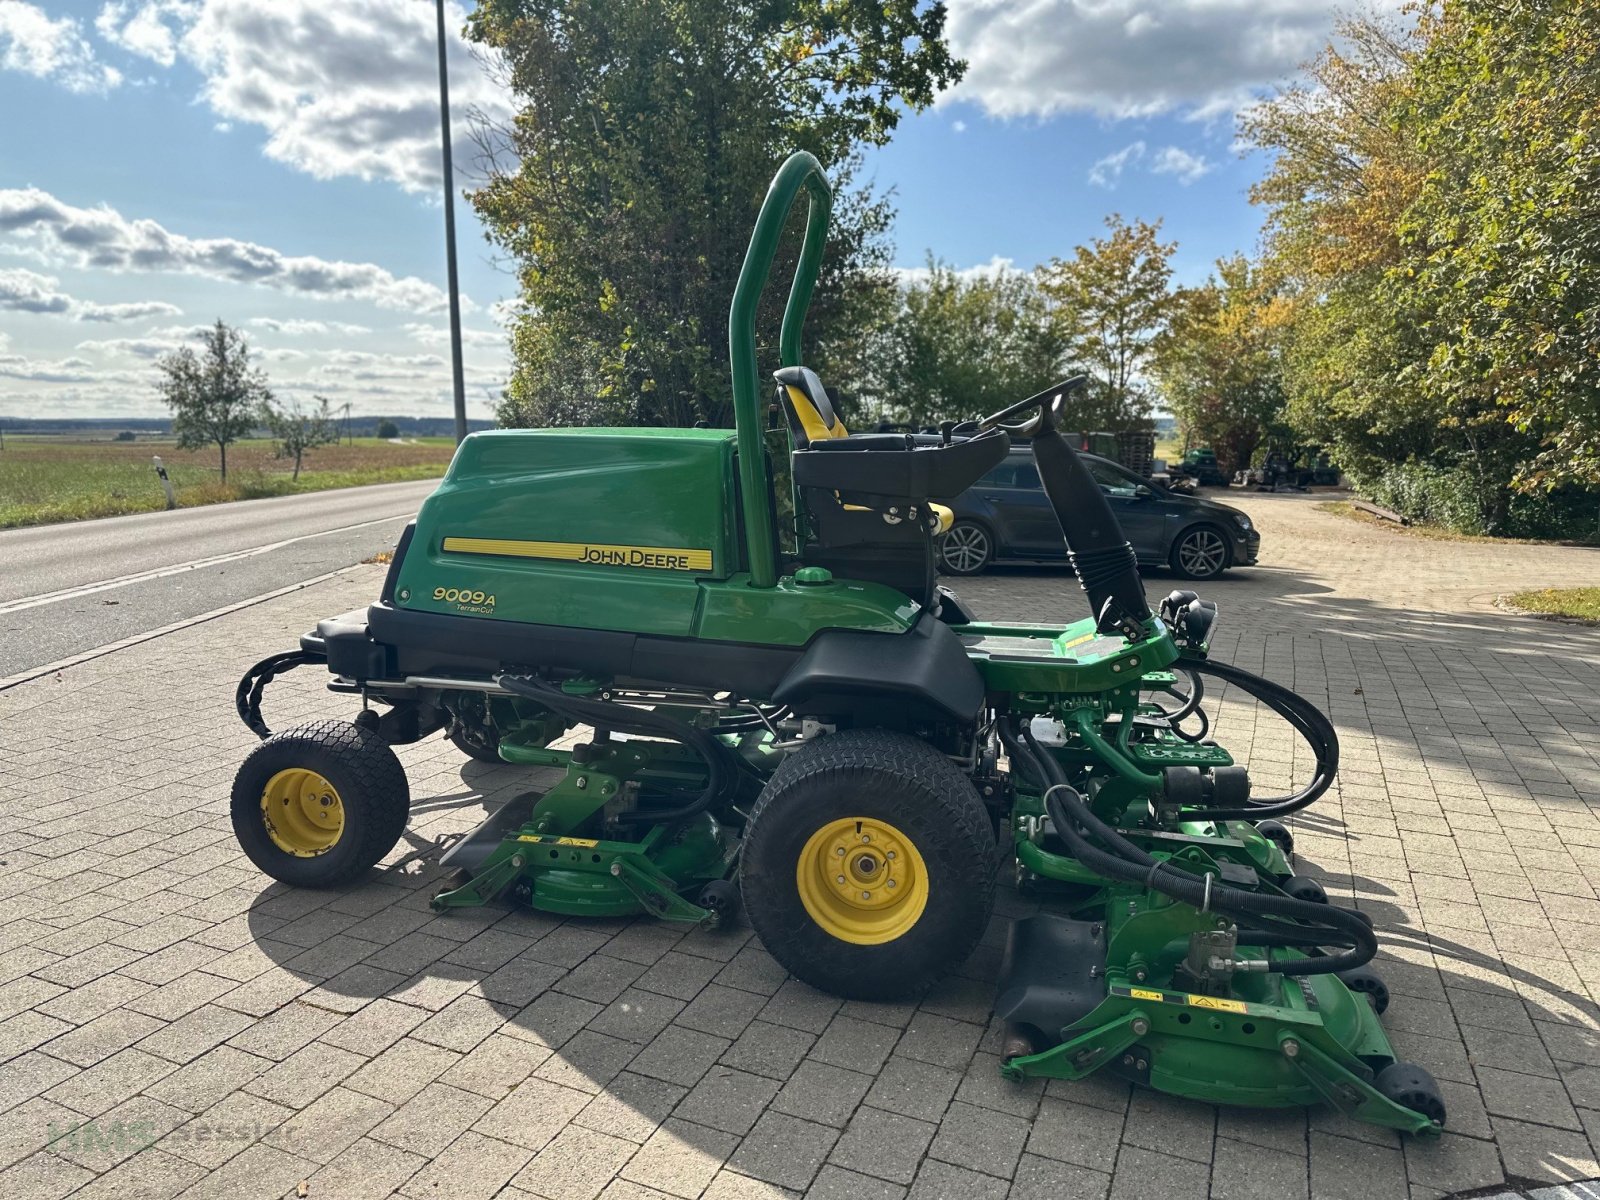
[
  {"x": 862, "y": 880},
  {"x": 302, "y": 812}
]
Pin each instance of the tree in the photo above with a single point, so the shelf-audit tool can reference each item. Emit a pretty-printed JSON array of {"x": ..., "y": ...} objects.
[
  {"x": 1219, "y": 362},
  {"x": 298, "y": 430},
  {"x": 647, "y": 134},
  {"x": 387, "y": 429},
  {"x": 965, "y": 345},
  {"x": 216, "y": 397},
  {"x": 1111, "y": 301},
  {"x": 1433, "y": 210}
]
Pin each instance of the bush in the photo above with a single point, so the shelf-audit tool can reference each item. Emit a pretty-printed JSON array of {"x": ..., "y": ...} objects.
[
  {"x": 387, "y": 429},
  {"x": 127, "y": 435},
  {"x": 1458, "y": 499}
]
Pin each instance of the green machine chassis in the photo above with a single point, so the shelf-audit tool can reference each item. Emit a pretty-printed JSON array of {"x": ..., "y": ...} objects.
[{"x": 734, "y": 690}]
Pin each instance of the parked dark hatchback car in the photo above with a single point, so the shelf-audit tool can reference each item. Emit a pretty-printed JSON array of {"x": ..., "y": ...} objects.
[{"x": 1005, "y": 517}]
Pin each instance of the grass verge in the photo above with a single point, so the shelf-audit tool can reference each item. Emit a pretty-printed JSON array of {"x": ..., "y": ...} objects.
[
  {"x": 1436, "y": 533},
  {"x": 45, "y": 480},
  {"x": 1579, "y": 604}
]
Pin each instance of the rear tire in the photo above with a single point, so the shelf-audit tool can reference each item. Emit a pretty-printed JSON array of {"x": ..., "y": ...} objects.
[
  {"x": 319, "y": 805},
  {"x": 907, "y": 832},
  {"x": 966, "y": 548}
]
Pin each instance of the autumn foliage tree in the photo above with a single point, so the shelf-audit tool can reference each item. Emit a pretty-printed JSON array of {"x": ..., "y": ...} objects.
[
  {"x": 625, "y": 188},
  {"x": 1434, "y": 210},
  {"x": 1110, "y": 302},
  {"x": 1220, "y": 360}
]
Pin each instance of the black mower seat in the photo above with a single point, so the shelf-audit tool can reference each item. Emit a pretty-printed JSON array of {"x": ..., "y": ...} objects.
[{"x": 897, "y": 465}]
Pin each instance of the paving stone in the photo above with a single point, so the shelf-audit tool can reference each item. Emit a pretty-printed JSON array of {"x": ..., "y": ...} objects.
[
  {"x": 723, "y": 1011},
  {"x": 943, "y": 1181},
  {"x": 913, "y": 1088},
  {"x": 784, "y": 1150},
  {"x": 980, "y": 1139},
  {"x": 533, "y": 1114},
  {"x": 1170, "y": 1125},
  {"x": 1342, "y": 1169},
  {"x": 403, "y": 1070},
  {"x": 1527, "y": 1098},
  {"x": 553, "y": 1019},
  {"x": 679, "y": 1055},
  {"x": 208, "y": 1078},
  {"x": 939, "y": 1040},
  {"x": 883, "y": 1144},
  {"x": 984, "y": 1086},
  {"x": 375, "y": 1027},
  {"x": 325, "y": 1127},
  {"x": 473, "y": 1167},
  {"x": 150, "y": 1175},
  {"x": 228, "y": 1128},
  {"x": 636, "y": 1015},
  {"x": 305, "y": 1075},
  {"x": 578, "y": 1165},
  {"x": 1240, "y": 1171},
  {"x": 1076, "y": 1133},
  {"x": 771, "y": 1050},
  {"x": 822, "y": 1093},
  {"x": 854, "y": 1043},
  {"x": 1451, "y": 1163},
  {"x": 495, "y": 1066},
  {"x": 835, "y": 1183},
  {"x": 801, "y": 1006},
  {"x": 588, "y": 1061},
  {"x": 631, "y": 1107},
  {"x": 1051, "y": 1179},
  {"x": 727, "y": 1099},
  {"x": 1541, "y": 1153},
  {"x": 681, "y": 976},
  {"x": 1143, "y": 1173},
  {"x": 432, "y": 1119},
  {"x": 367, "y": 1171},
  {"x": 109, "y": 1082},
  {"x": 679, "y": 1159}
]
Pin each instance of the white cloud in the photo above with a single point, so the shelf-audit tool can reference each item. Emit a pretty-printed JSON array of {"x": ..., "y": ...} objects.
[
  {"x": 296, "y": 327},
  {"x": 25, "y": 291},
  {"x": 30, "y": 292},
  {"x": 998, "y": 265},
  {"x": 149, "y": 346},
  {"x": 439, "y": 335},
  {"x": 339, "y": 89},
  {"x": 1171, "y": 160},
  {"x": 104, "y": 239},
  {"x": 136, "y": 310},
  {"x": 1131, "y": 58},
  {"x": 61, "y": 370},
  {"x": 35, "y": 44},
  {"x": 1108, "y": 170},
  {"x": 150, "y": 30}
]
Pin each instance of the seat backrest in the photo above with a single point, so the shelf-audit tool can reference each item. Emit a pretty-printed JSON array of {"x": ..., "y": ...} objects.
[{"x": 805, "y": 401}]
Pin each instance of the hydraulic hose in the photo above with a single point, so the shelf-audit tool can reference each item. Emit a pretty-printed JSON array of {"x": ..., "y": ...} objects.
[
  {"x": 1307, "y": 720},
  {"x": 1122, "y": 860},
  {"x": 624, "y": 718}
]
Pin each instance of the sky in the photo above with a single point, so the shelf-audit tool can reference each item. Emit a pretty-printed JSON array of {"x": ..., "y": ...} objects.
[{"x": 276, "y": 164}]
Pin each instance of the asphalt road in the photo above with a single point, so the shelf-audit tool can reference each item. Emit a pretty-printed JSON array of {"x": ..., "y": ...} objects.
[{"x": 66, "y": 589}]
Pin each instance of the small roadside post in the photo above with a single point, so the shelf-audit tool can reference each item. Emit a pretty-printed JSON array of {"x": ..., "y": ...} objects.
[{"x": 161, "y": 474}]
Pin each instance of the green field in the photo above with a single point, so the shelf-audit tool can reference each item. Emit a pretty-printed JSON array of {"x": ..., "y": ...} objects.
[{"x": 48, "y": 478}]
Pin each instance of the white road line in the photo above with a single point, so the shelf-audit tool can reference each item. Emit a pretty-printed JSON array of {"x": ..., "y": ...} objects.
[{"x": 106, "y": 585}]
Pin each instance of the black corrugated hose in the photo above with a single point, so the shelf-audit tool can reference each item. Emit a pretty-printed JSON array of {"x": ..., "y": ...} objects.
[{"x": 1118, "y": 858}]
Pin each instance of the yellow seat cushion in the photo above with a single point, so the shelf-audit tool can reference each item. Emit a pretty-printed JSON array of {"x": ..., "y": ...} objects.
[{"x": 946, "y": 517}]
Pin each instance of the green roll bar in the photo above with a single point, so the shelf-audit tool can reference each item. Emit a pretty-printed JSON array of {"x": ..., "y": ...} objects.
[{"x": 800, "y": 170}]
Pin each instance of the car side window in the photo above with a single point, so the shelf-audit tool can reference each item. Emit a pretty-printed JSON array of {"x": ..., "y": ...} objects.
[
  {"x": 1112, "y": 482},
  {"x": 1012, "y": 474}
]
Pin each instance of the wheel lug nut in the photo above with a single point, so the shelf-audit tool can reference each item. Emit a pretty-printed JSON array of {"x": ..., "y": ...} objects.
[
  {"x": 889, "y": 855},
  {"x": 866, "y": 895},
  {"x": 841, "y": 879},
  {"x": 891, "y": 883},
  {"x": 839, "y": 851}
]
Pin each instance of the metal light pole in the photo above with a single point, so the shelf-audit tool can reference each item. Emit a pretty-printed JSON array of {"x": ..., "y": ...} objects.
[{"x": 450, "y": 236}]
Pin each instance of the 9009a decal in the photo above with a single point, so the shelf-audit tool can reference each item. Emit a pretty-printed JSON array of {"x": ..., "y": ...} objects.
[{"x": 466, "y": 599}]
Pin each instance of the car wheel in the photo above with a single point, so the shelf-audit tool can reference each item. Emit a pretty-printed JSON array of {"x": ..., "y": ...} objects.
[
  {"x": 1200, "y": 553},
  {"x": 966, "y": 549}
]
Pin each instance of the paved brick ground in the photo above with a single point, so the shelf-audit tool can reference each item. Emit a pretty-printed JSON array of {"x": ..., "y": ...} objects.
[{"x": 153, "y": 984}]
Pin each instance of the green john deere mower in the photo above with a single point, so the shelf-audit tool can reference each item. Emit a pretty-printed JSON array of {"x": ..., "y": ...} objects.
[{"x": 779, "y": 703}]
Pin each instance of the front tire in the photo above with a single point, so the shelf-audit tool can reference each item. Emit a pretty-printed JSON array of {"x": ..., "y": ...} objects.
[
  {"x": 1200, "y": 553},
  {"x": 966, "y": 548},
  {"x": 319, "y": 805},
  {"x": 869, "y": 865}
]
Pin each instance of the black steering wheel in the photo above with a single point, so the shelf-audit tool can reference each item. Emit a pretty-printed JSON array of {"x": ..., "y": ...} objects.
[{"x": 1051, "y": 404}]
